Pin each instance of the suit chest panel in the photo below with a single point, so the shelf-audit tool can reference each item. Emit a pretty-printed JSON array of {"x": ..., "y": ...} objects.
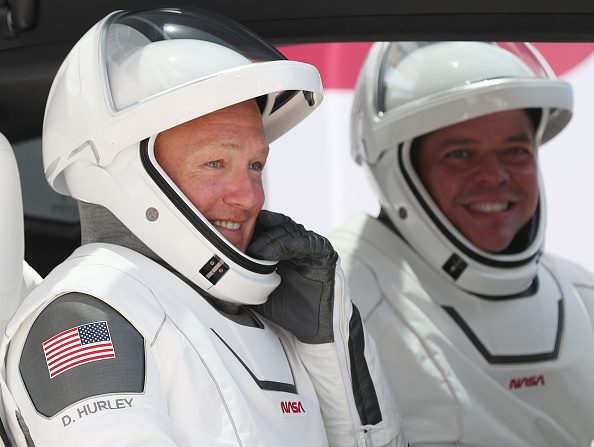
[
  {"x": 532, "y": 354},
  {"x": 274, "y": 386}
]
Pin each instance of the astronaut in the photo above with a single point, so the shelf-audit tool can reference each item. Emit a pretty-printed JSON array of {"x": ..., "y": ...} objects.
[
  {"x": 159, "y": 329},
  {"x": 486, "y": 340}
]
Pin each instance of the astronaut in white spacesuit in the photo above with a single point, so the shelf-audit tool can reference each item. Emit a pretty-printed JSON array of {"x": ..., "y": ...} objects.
[
  {"x": 486, "y": 340},
  {"x": 159, "y": 329}
]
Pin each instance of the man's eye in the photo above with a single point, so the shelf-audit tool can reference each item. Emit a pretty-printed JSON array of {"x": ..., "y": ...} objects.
[
  {"x": 214, "y": 164},
  {"x": 459, "y": 153},
  {"x": 256, "y": 166},
  {"x": 518, "y": 150}
]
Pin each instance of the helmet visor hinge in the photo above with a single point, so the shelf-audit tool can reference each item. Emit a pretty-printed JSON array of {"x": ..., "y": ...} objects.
[
  {"x": 310, "y": 98},
  {"x": 214, "y": 269},
  {"x": 455, "y": 266}
]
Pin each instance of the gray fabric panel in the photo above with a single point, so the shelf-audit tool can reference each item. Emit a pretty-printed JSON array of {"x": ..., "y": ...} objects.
[
  {"x": 25, "y": 430},
  {"x": 98, "y": 224},
  {"x": 123, "y": 374},
  {"x": 300, "y": 306},
  {"x": 366, "y": 399},
  {"x": 3, "y": 435}
]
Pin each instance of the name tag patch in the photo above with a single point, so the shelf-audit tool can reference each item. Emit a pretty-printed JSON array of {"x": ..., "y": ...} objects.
[{"x": 97, "y": 406}]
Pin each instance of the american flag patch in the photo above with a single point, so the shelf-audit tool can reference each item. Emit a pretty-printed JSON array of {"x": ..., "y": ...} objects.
[{"x": 77, "y": 346}]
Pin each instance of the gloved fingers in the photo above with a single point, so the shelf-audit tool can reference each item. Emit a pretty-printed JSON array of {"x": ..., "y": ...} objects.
[
  {"x": 260, "y": 244},
  {"x": 270, "y": 226},
  {"x": 279, "y": 238},
  {"x": 277, "y": 244},
  {"x": 269, "y": 219},
  {"x": 300, "y": 247}
]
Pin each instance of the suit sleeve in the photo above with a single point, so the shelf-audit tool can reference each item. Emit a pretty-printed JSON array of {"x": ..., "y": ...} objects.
[
  {"x": 356, "y": 401},
  {"x": 82, "y": 376}
]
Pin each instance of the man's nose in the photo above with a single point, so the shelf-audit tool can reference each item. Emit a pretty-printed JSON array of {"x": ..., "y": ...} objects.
[
  {"x": 244, "y": 190},
  {"x": 491, "y": 170}
]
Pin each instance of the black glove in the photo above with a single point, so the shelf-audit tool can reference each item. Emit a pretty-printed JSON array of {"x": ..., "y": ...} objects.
[{"x": 304, "y": 300}]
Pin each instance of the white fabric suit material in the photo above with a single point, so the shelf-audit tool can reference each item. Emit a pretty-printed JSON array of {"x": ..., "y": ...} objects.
[
  {"x": 208, "y": 380},
  {"x": 471, "y": 370}
]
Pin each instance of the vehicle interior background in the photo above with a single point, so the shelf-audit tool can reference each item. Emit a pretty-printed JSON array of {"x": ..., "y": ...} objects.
[{"x": 36, "y": 36}]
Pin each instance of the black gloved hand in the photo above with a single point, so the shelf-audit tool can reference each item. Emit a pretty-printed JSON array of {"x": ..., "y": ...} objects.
[{"x": 304, "y": 300}]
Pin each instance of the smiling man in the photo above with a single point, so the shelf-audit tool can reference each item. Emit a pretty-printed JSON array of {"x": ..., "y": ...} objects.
[
  {"x": 487, "y": 341},
  {"x": 217, "y": 162},
  {"x": 482, "y": 175},
  {"x": 189, "y": 316}
]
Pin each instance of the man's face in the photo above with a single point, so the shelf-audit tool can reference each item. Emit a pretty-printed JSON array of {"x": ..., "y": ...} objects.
[
  {"x": 482, "y": 174},
  {"x": 217, "y": 161}
]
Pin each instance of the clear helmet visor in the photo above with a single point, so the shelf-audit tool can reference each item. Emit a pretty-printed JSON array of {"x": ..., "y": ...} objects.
[
  {"x": 407, "y": 74},
  {"x": 409, "y": 89},
  {"x": 149, "y": 53}
]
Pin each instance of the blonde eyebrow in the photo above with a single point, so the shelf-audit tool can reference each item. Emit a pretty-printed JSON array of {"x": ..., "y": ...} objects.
[{"x": 232, "y": 147}]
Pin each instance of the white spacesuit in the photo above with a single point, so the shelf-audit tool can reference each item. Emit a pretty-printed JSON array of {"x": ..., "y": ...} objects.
[
  {"x": 151, "y": 333},
  {"x": 482, "y": 348}
]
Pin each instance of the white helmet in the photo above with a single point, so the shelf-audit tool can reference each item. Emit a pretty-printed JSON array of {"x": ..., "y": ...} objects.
[
  {"x": 136, "y": 74},
  {"x": 408, "y": 89}
]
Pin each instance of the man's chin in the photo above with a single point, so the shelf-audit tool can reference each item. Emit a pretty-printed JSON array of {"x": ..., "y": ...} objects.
[
  {"x": 493, "y": 246},
  {"x": 233, "y": 238}
]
